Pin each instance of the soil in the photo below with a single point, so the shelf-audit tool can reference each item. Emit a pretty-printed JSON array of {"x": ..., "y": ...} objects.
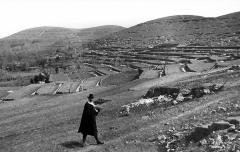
[{"x": 50, "y": 123}]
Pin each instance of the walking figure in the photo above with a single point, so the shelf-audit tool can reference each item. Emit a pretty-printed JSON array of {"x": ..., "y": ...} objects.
[{"x": 88, "y": 124}]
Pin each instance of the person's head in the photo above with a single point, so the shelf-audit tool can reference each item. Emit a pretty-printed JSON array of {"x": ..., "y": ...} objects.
[{"x": 90, "y": 97}]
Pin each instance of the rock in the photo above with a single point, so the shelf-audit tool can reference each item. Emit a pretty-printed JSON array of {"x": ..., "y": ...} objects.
[
  {"x": 174, "y": 102},
  {"x": 221, "y": 125},
  {"x": 161, "y": 97},
  {"x": 172, "y": 130},
  {"x": 166, "y": 123},
  {"x": 211, "y": 140},
  {"x": 225, "y": 138},
  {"x": 168, "y": 99},
  {"x": 199, "y": 133},
  {"x": 180, "y": 97},
  {"x": 234, "y": 120},
  {"x": 194, "y": 117},
  {"x": 178, "y": 135},
  {"x": 218, "y": 141},
  {"x": 162, "y": 138},
  {"x": 237, "y": 107},
  {"x": 232, "y": 136},
  {"x": 213, "y": 111},
  {"x": 222, "y": 109},
  {"x": 185, "y": 92},
  {"x": 215, "y": 147},
  {"x": 125, "y": 110},
  {"x": 203, "y": 142},
  {"x": 147, "y": 102},
  {"x": 171, "y": 145},
  {"x": 206, "y": 91},
  {"x": 232, "y": 129}
]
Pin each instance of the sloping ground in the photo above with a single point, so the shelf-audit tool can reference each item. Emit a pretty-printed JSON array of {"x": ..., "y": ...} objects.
[
  {"x": 47, "y": 89},
  {"x": 173, "y": 68},
  {"x": 58, "y": 77},
  {"x": 92, "y": 82},
  {"x": 233, "y": 62},
  {"x": 163, "y": 80},
  {"x": 80, "y": 75},
  {"x": 106, "y": 71},
  {"x": 23, "y": 92},
  {"x": 180, "y": 29},
  {"x": 4, "y": 91},
  {"x": 50, "y": 123},
  {"x": 200, "y": 66},
  {"x": 51, "y": 38},
  {"x": 120, "y": 78},
  {"x": 150, "y": 74},
  {"x": 218, "y": 58}
]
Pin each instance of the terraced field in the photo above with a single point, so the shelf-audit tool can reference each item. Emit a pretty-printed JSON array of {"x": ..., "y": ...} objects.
[{"x": 198, "y": 59}]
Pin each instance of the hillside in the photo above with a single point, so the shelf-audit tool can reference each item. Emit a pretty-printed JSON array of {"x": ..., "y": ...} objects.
[
  {"x": 180, "y": 29},
  {"x": 41, "y": 38}
]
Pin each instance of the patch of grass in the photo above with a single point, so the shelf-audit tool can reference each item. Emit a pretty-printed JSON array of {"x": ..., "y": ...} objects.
[
  {"x": 121, "y": 78},
  {"x": 18, "y": 81}
]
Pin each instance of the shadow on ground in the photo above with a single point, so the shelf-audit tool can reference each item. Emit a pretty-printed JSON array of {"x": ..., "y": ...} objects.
[{"x": 71, "y": 144}]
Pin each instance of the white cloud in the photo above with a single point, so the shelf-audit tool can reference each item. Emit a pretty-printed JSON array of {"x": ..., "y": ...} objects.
[{"x": 16, "y": 15}]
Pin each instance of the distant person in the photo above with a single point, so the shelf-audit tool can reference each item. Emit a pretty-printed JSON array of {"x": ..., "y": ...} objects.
[{"x": 88, "y": 124}]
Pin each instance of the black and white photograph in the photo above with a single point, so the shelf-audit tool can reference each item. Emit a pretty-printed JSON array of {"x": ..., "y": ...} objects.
[{"x": 119, "y": 75}]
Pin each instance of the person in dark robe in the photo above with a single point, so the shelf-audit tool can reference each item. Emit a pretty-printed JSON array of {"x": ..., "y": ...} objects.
[{"x": 88, "y": 125}]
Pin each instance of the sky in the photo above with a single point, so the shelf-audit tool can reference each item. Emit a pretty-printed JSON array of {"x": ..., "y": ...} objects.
[{"x": 17, "y": 15}]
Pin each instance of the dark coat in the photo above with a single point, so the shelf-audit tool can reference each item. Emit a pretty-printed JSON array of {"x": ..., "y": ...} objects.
[{"x": 88, "y": 124}]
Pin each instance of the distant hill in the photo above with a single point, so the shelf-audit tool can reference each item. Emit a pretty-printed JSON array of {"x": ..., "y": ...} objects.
[
  {"x": 181, "y": 29},
  {"x": 42, "y": 38}
]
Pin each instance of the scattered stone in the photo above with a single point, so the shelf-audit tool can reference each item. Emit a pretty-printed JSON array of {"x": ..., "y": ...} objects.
[
  {"x": 222, "y": 109},
  {"x": 237, "y": 107},
  {"x": 125, "y": 110},
  {"x": 215, "y": 147},
  {"x": 172, "y": 130},
  {"x": 174, "y": 102},
  {"x": 206, "y": 91},
  {"x": 218, "y": 140},
  {"x": 178, "y": 135},
  {"x": 213, "y": 111},
  {"x": 162, "y": 138},
  {"x": 180, "y": 97},
  {"x": 203, "y": 142},
  {"x": 225, "y": 138}
]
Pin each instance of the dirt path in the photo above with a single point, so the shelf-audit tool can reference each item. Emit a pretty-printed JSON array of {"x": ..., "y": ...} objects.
[{"x": 98, "y": 148}]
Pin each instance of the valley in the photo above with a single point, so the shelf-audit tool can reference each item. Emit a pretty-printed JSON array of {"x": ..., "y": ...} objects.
[{"x": 178, "y": 92}]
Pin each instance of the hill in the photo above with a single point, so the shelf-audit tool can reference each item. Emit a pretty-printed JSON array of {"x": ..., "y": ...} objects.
[
  {"x": 41, "y": 38},
  {"x": 181, "y": 29}
]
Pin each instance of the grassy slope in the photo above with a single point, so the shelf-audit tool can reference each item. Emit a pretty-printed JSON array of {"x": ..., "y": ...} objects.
[
  {"x": 42, "y": 38},
  {"x": 182, "y": 29}
]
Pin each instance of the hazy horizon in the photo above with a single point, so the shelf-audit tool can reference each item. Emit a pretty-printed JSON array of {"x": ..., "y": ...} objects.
[{"x": 18, "y": 15}]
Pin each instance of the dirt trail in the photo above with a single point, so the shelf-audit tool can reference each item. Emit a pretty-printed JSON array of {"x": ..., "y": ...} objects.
[{"x": 96, "y": 147}]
